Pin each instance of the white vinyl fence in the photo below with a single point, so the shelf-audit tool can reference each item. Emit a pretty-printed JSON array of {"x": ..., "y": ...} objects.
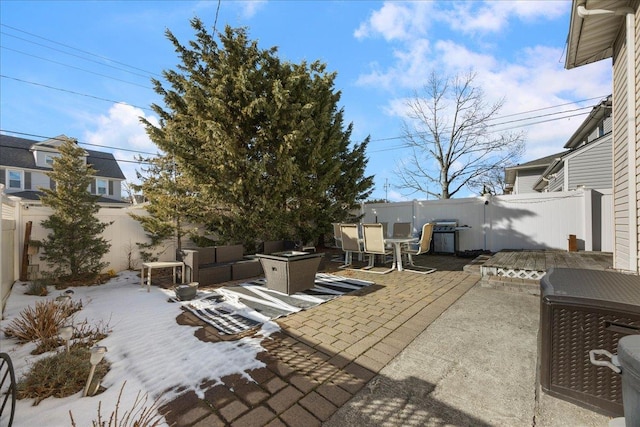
[
  {"x": 123, "y": 235},
  {"x": 527, "y": 221},
  {"x": 8, "y": 243}
]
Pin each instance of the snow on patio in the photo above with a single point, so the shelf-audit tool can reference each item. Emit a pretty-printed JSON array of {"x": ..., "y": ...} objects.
[{"x": 146, "y": 348}]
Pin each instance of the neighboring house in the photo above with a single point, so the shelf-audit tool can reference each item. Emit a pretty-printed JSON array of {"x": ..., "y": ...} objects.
[
  {"x": 521, "y": 178},
  {"x": 611, "y": 29},
  {"x": 24, "y": 164},
  {"x": 589, "y": 161}
]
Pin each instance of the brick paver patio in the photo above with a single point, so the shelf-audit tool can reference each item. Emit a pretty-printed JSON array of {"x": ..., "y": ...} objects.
[{"x": 324, "y": 355}]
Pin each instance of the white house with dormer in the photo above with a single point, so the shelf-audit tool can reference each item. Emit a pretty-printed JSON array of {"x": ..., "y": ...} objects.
[{"x": 24, "y": 164}]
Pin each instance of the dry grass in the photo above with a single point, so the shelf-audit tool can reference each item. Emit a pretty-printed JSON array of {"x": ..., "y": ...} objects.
[
  {"x": 139, "y": 415},
  {"x": 88, "y": 279},
  {"x": 60, "y": 375},
  {"x": 40, "y": 323}
]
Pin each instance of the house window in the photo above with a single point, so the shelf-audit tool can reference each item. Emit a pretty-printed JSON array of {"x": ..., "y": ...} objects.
[
  {"x": 48, "y": 159},
  {"x": 101, "y": 186},
  {"x": 15, "y": 179}
]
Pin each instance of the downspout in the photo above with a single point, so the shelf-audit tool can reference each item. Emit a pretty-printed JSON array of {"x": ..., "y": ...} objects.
[{"x": 631, "y": 125}]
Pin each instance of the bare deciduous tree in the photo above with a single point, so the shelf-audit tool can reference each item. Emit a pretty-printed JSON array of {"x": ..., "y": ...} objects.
[{"x": 453, "y": 145}]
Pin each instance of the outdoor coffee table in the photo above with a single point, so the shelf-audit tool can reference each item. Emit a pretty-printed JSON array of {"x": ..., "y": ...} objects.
[
  {"x": 159, "y": 264},
  {"x": 290, "y": 271}
]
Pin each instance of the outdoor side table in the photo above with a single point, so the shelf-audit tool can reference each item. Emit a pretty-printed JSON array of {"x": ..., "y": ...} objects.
[
  {"x": 583, "y": 310},
  {"x": 159, "y": 264},
  {"x": 290, "y": 271}
]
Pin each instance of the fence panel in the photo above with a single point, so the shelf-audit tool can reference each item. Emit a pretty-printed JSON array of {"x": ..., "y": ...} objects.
[
  {"x": 525, "y": 221},
  {"x": 123, "y": 235},
  {"x": 8, "y": 251},
  {"x": 536, "y": 221}
]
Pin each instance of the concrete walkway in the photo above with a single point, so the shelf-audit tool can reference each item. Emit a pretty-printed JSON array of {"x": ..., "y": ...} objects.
[
  {"x": 410, "y": 350},
  {"x": 473, "y": 366}
]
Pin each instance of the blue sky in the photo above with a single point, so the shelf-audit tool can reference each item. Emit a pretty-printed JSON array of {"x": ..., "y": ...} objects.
[{"x": 64, "y": 63}]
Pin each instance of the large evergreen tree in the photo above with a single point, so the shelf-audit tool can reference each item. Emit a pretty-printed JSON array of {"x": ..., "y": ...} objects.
[
  {"x": 264, "y": 139},
  {"x": 74, "y": 247}
]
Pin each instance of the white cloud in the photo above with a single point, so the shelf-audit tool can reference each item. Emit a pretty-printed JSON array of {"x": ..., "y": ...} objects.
[
  {"x": 121, "y": 128},
  {"x": 397, "y": 21},
  {"x": 251, "y": 7},
  {"x": 533, "y": 78},
  {"x": 494, "y": 16}
]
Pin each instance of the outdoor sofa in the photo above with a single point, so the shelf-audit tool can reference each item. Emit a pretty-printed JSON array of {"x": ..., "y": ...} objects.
[{"x": 218, "y": 264}]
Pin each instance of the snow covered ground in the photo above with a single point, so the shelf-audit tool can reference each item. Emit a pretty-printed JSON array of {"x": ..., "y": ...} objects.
[{"x": 146, "y": 348}]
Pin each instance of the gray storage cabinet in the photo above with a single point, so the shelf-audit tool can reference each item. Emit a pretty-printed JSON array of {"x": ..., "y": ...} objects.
[{"x": 583, "y": 310}]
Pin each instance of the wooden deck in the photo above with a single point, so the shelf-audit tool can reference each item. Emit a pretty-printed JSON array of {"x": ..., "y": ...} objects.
[{"x": 543, "y": 260}]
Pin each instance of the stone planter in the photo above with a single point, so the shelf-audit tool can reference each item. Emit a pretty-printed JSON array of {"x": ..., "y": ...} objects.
[{"x": 186, "y": 292}]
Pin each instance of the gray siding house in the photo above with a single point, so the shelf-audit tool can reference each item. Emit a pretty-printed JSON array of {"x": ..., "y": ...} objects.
[
  {"x": 588, "y": 162},
  {"x": 24, "y": 163},
  {"x": 611, "y": 29},
  {"x": 520, "y": 179}
]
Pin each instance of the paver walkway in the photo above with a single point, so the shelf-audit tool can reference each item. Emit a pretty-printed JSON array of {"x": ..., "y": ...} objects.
[{"x": 325, "y": 355}]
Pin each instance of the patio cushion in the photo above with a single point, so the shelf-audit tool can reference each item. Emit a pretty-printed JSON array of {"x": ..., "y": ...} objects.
[
  {"x": 206, "y": 255},
  {"x": 228, "y": 253}
]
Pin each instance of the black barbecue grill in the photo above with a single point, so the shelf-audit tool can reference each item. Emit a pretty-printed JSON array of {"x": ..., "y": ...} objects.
[{"x": 445, "y": 236}]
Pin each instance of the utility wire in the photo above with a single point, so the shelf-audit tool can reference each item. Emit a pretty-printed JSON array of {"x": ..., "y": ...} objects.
[
  {"x": 548, "y": 108},
  {"x": 80, "y": 50},
  {"x": 76, "y": 68},
  {"x": 398, "y": 147},
  {"x": 372, "y": 140},
  {"x": 55, "y": 138},
  {"x": 74, "y": 93},
  {"x": 95, "y": 155},
  {"x": 77, "y": 56}
]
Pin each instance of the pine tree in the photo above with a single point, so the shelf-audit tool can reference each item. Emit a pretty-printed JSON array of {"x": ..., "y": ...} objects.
[
  {"x": 74, "y": 247},
  {"x": 264, "y": 139},
  {"x": 171, "y": 198}
]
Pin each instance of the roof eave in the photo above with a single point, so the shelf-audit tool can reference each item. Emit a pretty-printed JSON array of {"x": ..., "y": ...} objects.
[
  {"x": 591, "y": 39},
  {"x": 588, "y": 125}
]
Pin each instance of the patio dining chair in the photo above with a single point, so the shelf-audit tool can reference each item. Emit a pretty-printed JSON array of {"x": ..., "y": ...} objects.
[
  {"x": 337, "y": 235},
  {"x": 350, "y": 243},
  {"x": 401, "y": 229},
  {"x": 374, "y": 245},
  {"x": 424, "y": 245}
]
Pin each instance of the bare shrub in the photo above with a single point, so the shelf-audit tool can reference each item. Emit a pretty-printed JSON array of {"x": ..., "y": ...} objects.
[
  {"x": 37, "y": 288},
  {"x": 88, "y": 335},
  {"x": 139, "y": 415},
  {"x": 60, "y": 375},
  {"x": 41, "y": 323}
]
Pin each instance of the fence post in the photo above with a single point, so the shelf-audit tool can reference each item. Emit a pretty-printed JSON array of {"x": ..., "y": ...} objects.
[{"x": 587, "y": 195}]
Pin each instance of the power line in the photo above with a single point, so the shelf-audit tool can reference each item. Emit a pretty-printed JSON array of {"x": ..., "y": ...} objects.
[
  {"x": 95, "y": 155},
  {"x": 74, "y": 92},
  {"x": 55, "y": 138},
  {"x": 548, "y": 108},
  {"x": 81, "y": 50},
  {"x": 519, "y": 120},
  {"x": 74, "y": 67},
  {"x": 397, "y": 147},
  {"x": 76, "y": 56}
]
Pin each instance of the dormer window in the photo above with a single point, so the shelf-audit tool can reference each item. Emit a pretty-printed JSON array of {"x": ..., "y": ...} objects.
[
  {"x": 48, "y": 159},
  {"x": 101, "y": 186},
  {"x": 15, "y": 179}
]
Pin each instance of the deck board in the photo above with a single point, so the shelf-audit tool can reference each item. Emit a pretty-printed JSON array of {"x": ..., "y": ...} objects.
[{"x": 544, "y": 260}]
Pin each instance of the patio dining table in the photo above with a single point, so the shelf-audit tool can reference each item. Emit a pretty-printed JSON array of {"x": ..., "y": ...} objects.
[{"x": 397, "y": 243}]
